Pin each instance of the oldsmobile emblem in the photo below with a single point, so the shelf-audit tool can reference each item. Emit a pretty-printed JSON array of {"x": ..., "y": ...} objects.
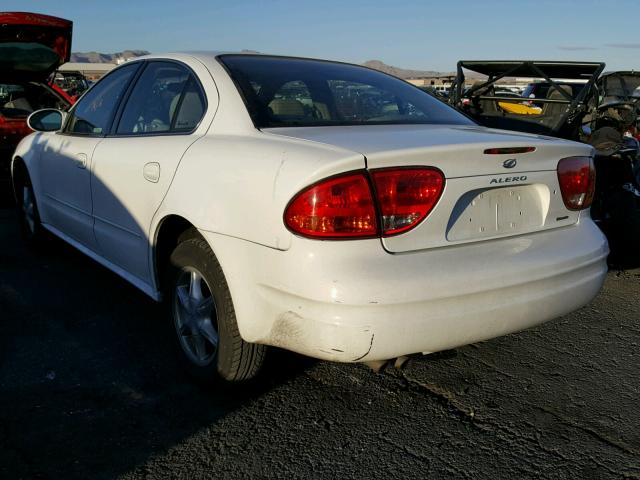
[{"x": 510, "y": 163}]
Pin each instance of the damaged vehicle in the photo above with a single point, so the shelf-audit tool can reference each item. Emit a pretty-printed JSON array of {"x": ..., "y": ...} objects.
[
  {"x": 612, "y": 129},
  {"x": 564, "y": 96},
  {"x": 316, "y": 206},
  {"x": 72, "y": 83},
  {"x": 32, "y": 46}
]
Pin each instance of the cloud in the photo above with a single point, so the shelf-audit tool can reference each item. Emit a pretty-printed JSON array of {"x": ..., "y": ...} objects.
[
  {"x": 623, "y": 45},
  {"x": 575, "y": 48}
]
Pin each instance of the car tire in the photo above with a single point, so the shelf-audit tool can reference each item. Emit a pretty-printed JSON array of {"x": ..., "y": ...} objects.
[
  {"x": 203, "y": 319},
  {"x": 32, "y": 230}
]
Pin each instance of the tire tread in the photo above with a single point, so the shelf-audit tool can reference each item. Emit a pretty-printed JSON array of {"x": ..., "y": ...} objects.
[{"x": 245, "y": 358}]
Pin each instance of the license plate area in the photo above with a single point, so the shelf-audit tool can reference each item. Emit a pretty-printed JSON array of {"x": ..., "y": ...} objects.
[{"x": 496, "y": 212}]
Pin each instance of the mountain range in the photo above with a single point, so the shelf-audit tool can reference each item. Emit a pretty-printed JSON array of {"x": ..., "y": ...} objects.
[
  {"x": 96, "y": 57},
  {"x": 403, "y": 72}
]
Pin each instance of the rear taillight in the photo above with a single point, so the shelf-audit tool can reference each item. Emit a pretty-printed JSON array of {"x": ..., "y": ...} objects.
[
  {"x": 344, "y": 206},
  {"x": 339, "y": 207},
  {"x": 406, "y": 196},
  {"x": 577, "y": 178}
]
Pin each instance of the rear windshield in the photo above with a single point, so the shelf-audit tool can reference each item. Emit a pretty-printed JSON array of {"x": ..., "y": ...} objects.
[{"x": 291, "y": 92}]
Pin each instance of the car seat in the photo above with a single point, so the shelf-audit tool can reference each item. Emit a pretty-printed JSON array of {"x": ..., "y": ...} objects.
[
  {"x": 557, "y": 109},
  {"x": 287, "y": 107}
]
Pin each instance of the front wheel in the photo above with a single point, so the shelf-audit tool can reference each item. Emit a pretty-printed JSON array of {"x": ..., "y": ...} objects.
[
  {"x": 32, "y": 230},
  {"x": 203, "y": 318}
]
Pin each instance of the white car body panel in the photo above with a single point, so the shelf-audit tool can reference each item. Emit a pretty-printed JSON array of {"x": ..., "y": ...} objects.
[
  {"x": 67, "y": 163},
  {"x": 440, "y": 285},
  {"x": 335, "y": 301},
  {"x": 275, "y": 168},
  {"x": 459, "y": 153},
  {"x": 456, "y": 150},
  {"x": 131, "y": 176}
]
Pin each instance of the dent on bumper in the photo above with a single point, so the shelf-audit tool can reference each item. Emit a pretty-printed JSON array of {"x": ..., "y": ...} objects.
[
  {"x": 334, "y": 341},
  {"x": 377, "y": 332},
  {"x": 426, "y": 304}
]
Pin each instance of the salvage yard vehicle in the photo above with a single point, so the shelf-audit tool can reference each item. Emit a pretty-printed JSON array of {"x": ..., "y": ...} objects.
[
  {"x": 32, "y": 46},
  {"x": 613, "y": 132},
  {"x": 568, "y": 88},
  {"x": 72, "y": 83},
  {"x": 321, "y": 207}
]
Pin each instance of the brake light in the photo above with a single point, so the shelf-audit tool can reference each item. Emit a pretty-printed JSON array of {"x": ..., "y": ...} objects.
[
  {"x": 509, "y": 150},
  {"x": 577, "y": 178},
  {"x": 406, "y": 196},
  {"x": 339, "y": 207},
  {"x": 344, "y": 206}
]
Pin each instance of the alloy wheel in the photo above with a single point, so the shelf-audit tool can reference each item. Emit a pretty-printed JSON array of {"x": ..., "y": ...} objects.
[{"x": 195, "y": 317}]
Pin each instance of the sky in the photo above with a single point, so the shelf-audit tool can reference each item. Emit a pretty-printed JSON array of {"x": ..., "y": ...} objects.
[{"x": 412, "y": 34}]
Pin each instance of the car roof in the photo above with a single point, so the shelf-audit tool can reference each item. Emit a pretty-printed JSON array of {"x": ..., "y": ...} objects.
[{"x": 209, "y": 55}]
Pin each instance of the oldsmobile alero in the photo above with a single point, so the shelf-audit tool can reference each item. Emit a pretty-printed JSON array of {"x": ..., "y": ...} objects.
[{"x": 317, "y": 206}]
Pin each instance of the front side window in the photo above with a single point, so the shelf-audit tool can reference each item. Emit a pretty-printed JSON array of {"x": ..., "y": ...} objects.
[
  {"x": 163, "y": 100},
  {"x": 93, "y": 113},
  {"x": 284, "y": 92}
]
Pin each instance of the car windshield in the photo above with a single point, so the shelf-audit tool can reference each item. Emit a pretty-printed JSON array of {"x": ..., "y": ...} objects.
[{"x": 288, "y": 92}]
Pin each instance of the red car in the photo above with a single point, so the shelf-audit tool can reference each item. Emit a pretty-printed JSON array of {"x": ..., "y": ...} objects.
[{"x": 32, "y": 47}]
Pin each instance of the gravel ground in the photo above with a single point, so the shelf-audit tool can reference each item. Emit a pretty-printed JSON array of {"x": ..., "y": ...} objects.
[{"x": 88, "y": 391}]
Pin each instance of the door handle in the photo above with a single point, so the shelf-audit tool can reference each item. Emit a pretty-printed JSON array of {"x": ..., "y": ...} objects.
[{"x": 81, "y": 160}]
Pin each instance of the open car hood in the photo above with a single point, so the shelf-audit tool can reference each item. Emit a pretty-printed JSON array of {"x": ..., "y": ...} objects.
[{"x": 33, "y": 45}]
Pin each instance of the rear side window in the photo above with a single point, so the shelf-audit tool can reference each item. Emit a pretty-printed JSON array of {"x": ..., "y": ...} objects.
[
  {"x": 166, "y": 98},
  {"x": 93, "y": 113},
  {"x": 190, "y": 109}
]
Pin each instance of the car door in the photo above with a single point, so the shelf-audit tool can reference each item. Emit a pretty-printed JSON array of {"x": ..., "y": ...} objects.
[
  {"x": 65, "y": 167},
  {"x": 133, "y": 167}
]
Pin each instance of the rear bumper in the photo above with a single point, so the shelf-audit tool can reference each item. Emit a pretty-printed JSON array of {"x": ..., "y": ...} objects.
[{"x": 351, "y": 301}]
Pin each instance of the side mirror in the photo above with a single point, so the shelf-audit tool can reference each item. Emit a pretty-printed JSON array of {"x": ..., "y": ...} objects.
[{"x": 46, "y": 120}]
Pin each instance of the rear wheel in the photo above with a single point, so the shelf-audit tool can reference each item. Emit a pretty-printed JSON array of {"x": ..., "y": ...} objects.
[{"x": 203, "y": 318}]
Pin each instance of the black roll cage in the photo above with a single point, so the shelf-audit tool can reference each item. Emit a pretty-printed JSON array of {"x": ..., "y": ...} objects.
[{"x": 548, "y": 70}]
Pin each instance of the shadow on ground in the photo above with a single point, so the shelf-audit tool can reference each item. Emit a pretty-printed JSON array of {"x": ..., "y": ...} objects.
[{"x": 87, "y": 383}]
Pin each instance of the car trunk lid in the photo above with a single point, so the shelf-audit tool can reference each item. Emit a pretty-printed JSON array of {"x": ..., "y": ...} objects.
[
  {"x": 33, "y": 45},
  {"x": 486, "y": 195}
]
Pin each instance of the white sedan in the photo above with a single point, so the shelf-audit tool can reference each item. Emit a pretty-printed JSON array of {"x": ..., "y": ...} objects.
[{"x": 321, "y": 207}]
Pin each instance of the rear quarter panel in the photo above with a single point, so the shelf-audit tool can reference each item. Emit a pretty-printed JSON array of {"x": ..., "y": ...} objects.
[{"x": 240, "y": 185}]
